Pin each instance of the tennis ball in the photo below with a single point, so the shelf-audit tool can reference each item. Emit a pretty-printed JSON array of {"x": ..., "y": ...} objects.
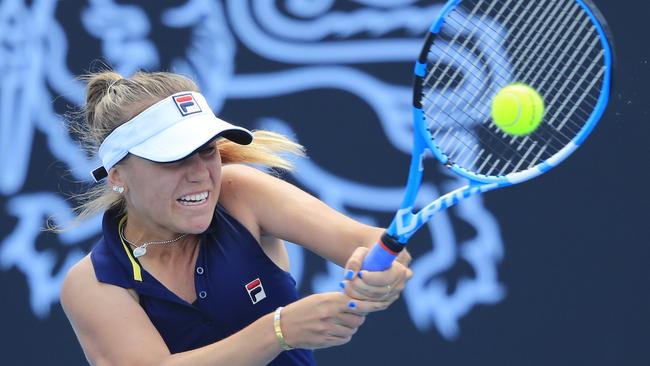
[{"x": 517, "y": 109}]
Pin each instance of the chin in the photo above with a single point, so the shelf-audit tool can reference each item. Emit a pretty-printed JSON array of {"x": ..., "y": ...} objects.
[
  {"x": 197, "y": 224},
  {"x": 196, "y": 216},
  {"x": 197, "y": 230}
]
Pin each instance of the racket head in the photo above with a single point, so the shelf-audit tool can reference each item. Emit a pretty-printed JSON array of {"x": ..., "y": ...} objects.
[{"x": 476, "y": 47}]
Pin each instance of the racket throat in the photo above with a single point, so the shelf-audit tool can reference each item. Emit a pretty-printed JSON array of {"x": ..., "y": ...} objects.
[
  {"x": 406, "y": 223},
  {"x": 390, "y": 244}
]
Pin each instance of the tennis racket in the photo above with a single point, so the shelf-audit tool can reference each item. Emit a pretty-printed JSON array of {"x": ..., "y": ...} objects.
[{"x": 473, "y": 50}]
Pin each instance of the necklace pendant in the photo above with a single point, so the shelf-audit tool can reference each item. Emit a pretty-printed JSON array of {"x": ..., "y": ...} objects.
[{"x": 139, "y": 251}]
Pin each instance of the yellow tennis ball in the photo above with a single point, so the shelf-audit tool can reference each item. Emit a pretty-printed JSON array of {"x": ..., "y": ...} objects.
[{"x": 517, "y": 109}]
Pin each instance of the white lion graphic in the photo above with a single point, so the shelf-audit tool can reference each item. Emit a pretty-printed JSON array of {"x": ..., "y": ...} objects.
[{"x": 242, "y": 52}]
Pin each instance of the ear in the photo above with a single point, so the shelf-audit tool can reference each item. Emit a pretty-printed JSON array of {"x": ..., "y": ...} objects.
[{"x": 116, "y": 178}]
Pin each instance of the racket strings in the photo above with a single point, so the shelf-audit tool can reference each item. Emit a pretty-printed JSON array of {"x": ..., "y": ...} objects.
[
  {"x": 548, "y": 55},
  {"x": 454, "y": 40},
  {"x": 592, "y": 98},
  {"x": 537, "y": 57},
  {"x": 450, "y": 80},
  {"x": 538, "y": 154},
  {"x": 508, "y": 161},
  {"x": 520, "y": 77},
  {"x": 549, "y": 47}
]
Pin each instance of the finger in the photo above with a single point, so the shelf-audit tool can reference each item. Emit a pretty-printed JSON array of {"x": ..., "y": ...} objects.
[
  {"x": 335, "y": 340},
  {"x": 361, "y": 291},
  {"x": 354, "y": 290},
  {"x": 385, "y": 284},
  {"x": 349, "y": 320},
  {"x": 339, "y": 331},
  {"x": 363, "y": 307},
  {"x": 392, "y": 275},
  {"x": 404, "y": 257},
  {"x": 353, "y": 265},
  {"x": 409, "y": 274}
]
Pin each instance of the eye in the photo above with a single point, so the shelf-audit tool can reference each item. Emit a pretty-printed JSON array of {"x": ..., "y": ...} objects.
[
  {"x": 208, "y": 151},
  {"x": 170, "y": 164}
]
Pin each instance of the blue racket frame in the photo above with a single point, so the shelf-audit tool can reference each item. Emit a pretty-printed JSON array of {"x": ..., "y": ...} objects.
[{"x": 406, "y": 222}]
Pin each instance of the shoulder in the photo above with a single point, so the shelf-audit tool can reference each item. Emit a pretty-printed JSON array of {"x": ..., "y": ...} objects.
[
  {"x": 244, "y": 192},
  {"x": 241, "y": 179},
  {"x": 244, "y": 182},
  {"x": 80, "y": 285},
  {"x": 110, "y": 324},
  {"x": 80, "y": 275}
]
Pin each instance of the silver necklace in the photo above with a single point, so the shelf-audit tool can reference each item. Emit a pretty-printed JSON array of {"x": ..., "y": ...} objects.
[{"x": 141, "y": 250}]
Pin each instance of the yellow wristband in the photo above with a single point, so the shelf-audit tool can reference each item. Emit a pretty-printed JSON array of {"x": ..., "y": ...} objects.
[{"x": 278, "y": 330}]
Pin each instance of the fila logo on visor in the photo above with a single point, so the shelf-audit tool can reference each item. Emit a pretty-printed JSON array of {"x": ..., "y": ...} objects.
[
  {"x": 186, "y": 104},
  {"x": 255, "y": 291}
]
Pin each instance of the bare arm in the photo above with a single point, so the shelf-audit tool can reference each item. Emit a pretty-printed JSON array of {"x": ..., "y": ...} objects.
[
  {"x": 113, "y": 329},
  {"x": 270, "y": 206},
  {"x": 274, "y": 207}
]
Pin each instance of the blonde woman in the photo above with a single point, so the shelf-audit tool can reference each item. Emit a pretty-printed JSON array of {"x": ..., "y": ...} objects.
[{"x": 191, "y": 267}]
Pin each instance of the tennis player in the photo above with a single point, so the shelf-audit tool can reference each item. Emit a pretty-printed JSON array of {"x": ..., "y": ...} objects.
[{"x": 191, "y": 268}]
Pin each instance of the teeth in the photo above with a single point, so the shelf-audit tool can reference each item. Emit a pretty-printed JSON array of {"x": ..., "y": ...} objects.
[{"x": 194, "y": 197}]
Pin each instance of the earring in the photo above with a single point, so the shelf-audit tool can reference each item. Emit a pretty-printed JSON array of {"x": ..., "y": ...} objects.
[{"x": 118, "y": 189}]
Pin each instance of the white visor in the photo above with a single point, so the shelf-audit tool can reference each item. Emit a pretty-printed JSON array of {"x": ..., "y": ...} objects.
[{"x": 169, "y": 130}]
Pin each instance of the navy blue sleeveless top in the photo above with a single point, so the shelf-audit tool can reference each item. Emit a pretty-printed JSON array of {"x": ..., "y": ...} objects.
[{"x": 236, "y": 283}]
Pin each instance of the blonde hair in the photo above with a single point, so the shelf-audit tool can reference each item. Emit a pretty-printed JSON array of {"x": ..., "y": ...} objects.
[{"x": 111, "y": 100}]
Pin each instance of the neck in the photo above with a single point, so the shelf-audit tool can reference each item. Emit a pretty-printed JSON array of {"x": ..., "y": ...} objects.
[
  {"x": 153, "y": 244},
  {"x": 180, "y": 251},
  {"x": 139, "y": 234}
]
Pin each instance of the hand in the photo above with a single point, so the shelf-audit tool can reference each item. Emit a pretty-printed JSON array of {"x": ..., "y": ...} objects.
[
  {"x": 383, "y": 287},
  {"x": 323, "y": 320}
]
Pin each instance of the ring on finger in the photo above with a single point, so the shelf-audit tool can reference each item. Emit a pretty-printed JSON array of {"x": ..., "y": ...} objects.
[{"x": 388, "y": 292}]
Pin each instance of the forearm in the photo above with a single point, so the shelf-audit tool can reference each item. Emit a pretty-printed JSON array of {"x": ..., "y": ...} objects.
[
  {"x": 349, "y": 239},
  {"x": 253, "y": 345}
]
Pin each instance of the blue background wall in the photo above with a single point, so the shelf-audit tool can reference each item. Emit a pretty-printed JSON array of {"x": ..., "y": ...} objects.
[{"x": 554, "y": 272}]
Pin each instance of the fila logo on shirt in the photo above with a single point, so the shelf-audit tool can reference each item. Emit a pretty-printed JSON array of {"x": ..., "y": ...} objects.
[
  {"x": 186, "y": 104},
  {"x": 255, "y": 290}
]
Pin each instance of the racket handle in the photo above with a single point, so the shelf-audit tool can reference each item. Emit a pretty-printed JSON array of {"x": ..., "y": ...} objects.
[{"x": 382, "y": 254}]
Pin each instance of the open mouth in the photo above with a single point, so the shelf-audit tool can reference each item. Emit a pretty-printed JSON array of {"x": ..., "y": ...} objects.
[{"x": 194, "y": 199}]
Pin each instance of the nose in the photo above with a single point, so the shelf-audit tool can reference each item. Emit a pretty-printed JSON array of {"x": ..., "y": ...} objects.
[{"x": 197, "y": 168}]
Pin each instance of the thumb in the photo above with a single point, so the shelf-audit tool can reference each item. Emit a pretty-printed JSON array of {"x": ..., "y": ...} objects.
[{"x": 353, "y": 265}]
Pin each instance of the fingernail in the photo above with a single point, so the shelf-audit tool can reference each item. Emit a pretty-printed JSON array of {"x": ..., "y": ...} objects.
[
  {"x": 352, "y": 304},
  {"x": 342, "y": 284},
  {"x": 360, "y": 274},
  {"x": 349, "y": 274}
]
